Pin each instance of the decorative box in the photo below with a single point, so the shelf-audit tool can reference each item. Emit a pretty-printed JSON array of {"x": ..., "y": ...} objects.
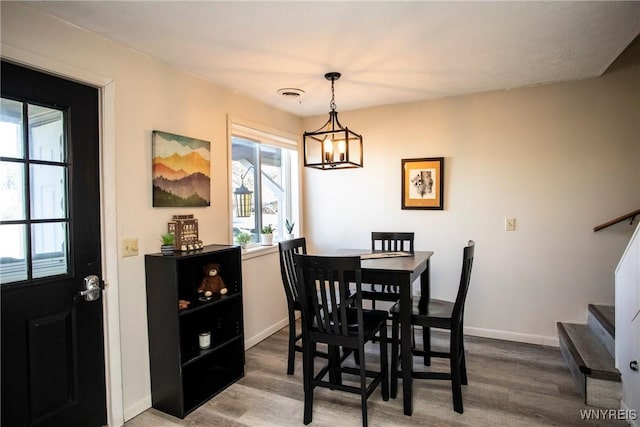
[{"x": 185, "y": 230}]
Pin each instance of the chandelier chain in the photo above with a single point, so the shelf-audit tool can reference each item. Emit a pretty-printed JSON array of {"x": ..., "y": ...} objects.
[{"x": 332, "y": 105}]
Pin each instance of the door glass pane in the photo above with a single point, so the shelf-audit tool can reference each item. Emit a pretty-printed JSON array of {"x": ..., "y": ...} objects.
[
  {"x": 45, "y": 200},
  {"x": 12, "y": 207},
  {"x": 49, "y": 249},
  {"x": 11, "y": 129},
  {"x": 48, "y": 192},
  {"x": 13, "y": 262},
  {"x": 45, "y": 134}
]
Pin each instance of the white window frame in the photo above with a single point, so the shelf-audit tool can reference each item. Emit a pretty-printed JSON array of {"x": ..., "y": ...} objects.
[{"x": 262, "y": 134}]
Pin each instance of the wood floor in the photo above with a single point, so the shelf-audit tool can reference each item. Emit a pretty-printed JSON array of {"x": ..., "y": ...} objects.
[{"x": 510, "y": 384}]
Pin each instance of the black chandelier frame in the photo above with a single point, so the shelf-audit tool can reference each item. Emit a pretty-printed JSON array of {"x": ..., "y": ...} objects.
[{"x": 333, "y": 146}]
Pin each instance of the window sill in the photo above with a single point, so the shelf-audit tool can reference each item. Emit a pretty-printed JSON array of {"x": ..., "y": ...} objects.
[{"x": 258, "y": 251}]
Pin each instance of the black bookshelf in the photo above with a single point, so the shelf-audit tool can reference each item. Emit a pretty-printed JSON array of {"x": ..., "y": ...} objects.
[{"x": 183, "y": 376}]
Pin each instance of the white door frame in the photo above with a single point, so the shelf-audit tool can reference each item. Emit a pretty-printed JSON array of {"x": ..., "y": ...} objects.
[{"x": 111, "y": 310}]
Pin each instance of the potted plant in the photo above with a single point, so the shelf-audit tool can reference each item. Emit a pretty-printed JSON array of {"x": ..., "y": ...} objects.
[
  {"x": 266, "y": 235},
  {"x": 289, "y": 226},
  {"x": 168, "y": 241},
  {"x": 243, "y": 238}
]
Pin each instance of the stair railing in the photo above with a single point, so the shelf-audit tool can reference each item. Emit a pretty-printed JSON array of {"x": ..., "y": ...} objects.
[{"x": 631, "y": 216}]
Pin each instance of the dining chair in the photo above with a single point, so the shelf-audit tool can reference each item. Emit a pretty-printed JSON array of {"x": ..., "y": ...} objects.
[
  {"x": 434, "y": 313},
  {"x": 287, "y": 250},
  {"x": 332, "y": 314},
  {"x": 387, "y": 242}
]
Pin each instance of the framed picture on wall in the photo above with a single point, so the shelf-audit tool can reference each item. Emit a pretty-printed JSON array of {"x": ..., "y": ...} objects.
[
  {"x": 181, "y": 170},
  {"x": 423, "y": 183}
]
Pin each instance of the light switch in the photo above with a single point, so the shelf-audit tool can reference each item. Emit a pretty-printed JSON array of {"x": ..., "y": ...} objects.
[{"x": 510, "y": 224}]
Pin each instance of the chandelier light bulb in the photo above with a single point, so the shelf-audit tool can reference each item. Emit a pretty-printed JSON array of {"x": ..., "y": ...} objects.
[
  {"x": 342, "y": 149},
  {"x": 328, "y": 150}
]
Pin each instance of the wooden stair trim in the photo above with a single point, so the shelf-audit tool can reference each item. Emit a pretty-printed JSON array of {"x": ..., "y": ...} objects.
[
  {"x": 575, "y": 354},
  {"x": 600, "y": 372}
]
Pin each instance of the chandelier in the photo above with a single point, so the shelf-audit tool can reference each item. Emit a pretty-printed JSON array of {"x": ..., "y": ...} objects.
[{"x": 332, "y": 146}]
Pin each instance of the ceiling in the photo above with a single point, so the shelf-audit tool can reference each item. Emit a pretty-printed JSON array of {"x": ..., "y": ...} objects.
[{"x": 387, "y": 52}]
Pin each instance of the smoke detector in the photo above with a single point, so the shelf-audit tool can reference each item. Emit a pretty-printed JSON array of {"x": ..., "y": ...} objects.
[{"x": 291, "y": 94}]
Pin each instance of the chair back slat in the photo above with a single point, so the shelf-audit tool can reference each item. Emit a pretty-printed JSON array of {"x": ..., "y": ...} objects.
[
  {"x": 288, "y": 249},
  {"x": 392, "y": 241},
  {"x": 465, "y": 279},
  {"x": 325, "y": 297}
]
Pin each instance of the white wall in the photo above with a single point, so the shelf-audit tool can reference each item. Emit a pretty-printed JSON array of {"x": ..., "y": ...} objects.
[
  {"x": 150, "y": 95},
  {"x": 560, "y": 158},
  {"x": 627, "y": 345}
]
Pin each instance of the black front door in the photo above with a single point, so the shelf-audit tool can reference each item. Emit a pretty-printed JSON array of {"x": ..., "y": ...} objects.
[{"x": 52, "y": 336}]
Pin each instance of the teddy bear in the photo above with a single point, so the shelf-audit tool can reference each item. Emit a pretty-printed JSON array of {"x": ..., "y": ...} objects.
[{"x": 212, "y": 282}]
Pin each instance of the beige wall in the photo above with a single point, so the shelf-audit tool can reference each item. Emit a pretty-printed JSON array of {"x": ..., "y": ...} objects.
[{"x": 559, "y": 158}]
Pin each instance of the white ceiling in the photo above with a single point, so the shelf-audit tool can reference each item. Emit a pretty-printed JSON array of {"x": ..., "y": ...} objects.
[{"x": 387, "y": 52}]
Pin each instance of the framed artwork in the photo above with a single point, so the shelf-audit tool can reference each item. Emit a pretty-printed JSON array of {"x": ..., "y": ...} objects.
[
  {"x": 423, "y": 183},
  {"x": 181, "y": 170}
]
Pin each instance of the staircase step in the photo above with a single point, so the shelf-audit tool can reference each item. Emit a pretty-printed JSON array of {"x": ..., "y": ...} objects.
[
  {"x": 591, "y": 365},
  {"x": 606, "y": 315},
  {"x": 602, "y": 321}
]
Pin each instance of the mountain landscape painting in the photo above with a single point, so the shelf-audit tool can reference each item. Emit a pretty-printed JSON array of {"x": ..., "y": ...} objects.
[{"x": 181, "y": 170}]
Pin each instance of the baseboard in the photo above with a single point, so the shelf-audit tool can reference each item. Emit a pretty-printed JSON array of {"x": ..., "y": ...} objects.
[
  {"x": 476, "y": 332},
  {"x": 137, "y": 408},
  {"x": 552, "y": 341},
  {"x": 265, "y": 333}
]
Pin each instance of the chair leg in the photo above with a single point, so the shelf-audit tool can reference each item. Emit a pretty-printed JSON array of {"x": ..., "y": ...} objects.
[
  {"x": 307, "y": 373},
  {"x": 394, "y": 356},
  {"x": 456, "y": 388},
  {"x": 463, "y": 362},
  {"x": 426, "y": 344},
  {"x": 356, "y": 357},
  {"x": 291, "y": 358},
  {"x": 363, "y": 386},
  {"x": 335, "y": 377},
  {"x": 384, "y": 364}
]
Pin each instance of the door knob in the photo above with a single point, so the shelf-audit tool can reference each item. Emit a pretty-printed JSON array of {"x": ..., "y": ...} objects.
[
  {"x": 92, "y": 288},
  {"x": 633, "y": 365}
]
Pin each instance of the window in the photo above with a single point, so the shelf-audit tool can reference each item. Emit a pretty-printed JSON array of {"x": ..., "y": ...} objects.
[
  {"x": 34, "y": 219},
  {"x": 264, "y": 181}
]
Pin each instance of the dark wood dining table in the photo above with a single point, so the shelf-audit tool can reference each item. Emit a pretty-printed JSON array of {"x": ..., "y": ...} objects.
[{"x": 401, "y": 271}]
